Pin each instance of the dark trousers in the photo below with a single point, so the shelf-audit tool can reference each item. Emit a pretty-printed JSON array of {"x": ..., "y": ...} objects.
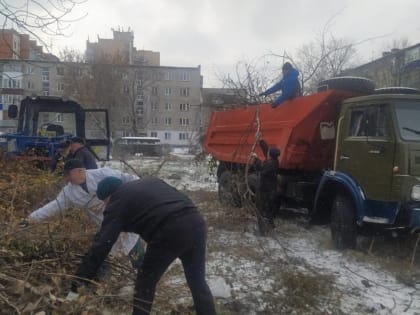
[
  {"x": 185, "y": 238},
  {"x": 267, "y": 204}
]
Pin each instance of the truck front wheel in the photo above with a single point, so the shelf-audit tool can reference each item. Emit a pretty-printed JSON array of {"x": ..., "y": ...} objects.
[
  {"x": 227, "y": 190},
  {"x": 343, "y": 223}
]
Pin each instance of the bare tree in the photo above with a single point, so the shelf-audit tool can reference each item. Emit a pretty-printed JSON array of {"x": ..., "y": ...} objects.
[
  {"x": 247, "y": 82},
  {"x": 137, "y": 86},
  {"x": 326, "y": 56},
  {"x": 400, "y": 43},
  {"x": 323, "y": 58},
  {"x": 39, "y": 18}
]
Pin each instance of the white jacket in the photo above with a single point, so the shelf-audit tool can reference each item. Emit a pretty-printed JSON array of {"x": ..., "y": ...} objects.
[{"x": 75, "y": 195}]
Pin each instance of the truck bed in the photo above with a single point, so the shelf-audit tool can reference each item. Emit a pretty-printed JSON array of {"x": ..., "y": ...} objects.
[{"x": 302, "y": 128}]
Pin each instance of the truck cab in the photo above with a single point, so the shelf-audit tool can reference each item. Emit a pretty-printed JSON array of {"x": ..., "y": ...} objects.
[
  {"x": 44, "y": 122},
  {"x": 376, "y": 175}
]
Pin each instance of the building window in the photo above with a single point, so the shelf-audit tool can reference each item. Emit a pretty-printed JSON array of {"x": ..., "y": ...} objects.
[
  {"x": 168, "y": 120},
  {"x": 154, "y": 90},
  {"x": 29, "y": 69},
  {"x": 45, "y": 93},
  {"x": 154, "y": 106},
  {"x": 168, "y": 91},
  {"x": 126, "y": 120},
  {"x": 60, "y": 86},
  {"x": 153, "y": 134},
  {"x": 184, "y": 107},
  {"x": 45, "y": 117},
  {"x": 139, "y": 107},
  {"x": 31, "y": 85},
  {"x": 185, "y": 76},
  {"x": 168, "y": 106},
  {"x": 11, "y": 83},
  {"x": 60, "y": 71},
  {"x": 184, "y": 121},
  {"x": 45, "y": 74},
  {"x": 125, "y": 133},
  {"x": 168, "y": 76},
  {"x": 167, "y": 136},
  {"x": 59, "y": 118},
  {"x": 126, "y": 89},
  {"x": 140, "y": 96},
  {"x": 183, "y": 136},
  {"x": 154, "y": 121},
  {"x": 185, "y": 92}
]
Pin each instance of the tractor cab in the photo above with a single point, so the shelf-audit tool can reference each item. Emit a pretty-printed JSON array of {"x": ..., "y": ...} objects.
[{"x": 44, "y": 122}]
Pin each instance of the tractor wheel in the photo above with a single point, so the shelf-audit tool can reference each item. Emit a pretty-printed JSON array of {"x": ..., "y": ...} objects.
[
  {"x": 343, "y": 223},
  {"x": 354, "y": 84},
  {"x": 228, "y": 195}
]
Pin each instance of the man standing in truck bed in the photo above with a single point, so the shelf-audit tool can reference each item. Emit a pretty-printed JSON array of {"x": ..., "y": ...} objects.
[{"x": 289, "y": 85}]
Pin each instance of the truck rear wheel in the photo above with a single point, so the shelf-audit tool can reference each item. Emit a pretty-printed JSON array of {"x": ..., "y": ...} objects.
[
  {"x": 343, "y": 223},
  {"x": 228, "y": 194}
]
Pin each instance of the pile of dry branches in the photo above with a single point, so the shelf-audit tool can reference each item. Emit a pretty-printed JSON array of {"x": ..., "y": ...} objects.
[{"x": 37, "y": 261}]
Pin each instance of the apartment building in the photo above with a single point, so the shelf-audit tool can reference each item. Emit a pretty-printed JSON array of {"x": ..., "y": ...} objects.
[
  {"x": 120, "y": 50},
  {"x": 398, "y": 67},
  {"x": 142, "y": 99}
]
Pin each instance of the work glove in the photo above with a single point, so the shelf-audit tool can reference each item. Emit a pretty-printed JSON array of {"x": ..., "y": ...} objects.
[
  {"x": 72, "y": 296},
  {"x": 24, "y": 223},
  {"x": 74, "y": 286}
]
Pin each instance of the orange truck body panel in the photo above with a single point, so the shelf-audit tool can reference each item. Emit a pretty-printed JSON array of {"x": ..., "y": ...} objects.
[{"x": 295, "y": 127}]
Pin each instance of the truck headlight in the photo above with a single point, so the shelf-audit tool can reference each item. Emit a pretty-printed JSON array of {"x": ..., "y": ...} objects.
[{"x": 415, "y": 193}]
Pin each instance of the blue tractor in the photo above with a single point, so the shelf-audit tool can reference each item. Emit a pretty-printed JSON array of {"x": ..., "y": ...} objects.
[{"x": 44, "y": 122}]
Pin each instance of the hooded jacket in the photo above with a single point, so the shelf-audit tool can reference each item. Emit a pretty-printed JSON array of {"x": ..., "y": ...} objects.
[{"x": 289, "y": 86}]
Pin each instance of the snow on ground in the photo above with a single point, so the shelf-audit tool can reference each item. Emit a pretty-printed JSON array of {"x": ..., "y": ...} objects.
[
  {"x": 181, "y": 171},
  {"x": 250, "y": 274}
]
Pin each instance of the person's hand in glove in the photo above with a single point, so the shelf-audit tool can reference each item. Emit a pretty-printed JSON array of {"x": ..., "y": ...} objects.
[
  {"x": 71, "y": 296},
  {"x": 24, "y": 223}
]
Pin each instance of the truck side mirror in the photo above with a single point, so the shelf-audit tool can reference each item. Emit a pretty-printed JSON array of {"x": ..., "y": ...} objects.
[{"x": 12, "y": 111}]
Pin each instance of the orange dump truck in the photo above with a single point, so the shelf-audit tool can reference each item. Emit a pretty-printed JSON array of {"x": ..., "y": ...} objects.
[{"x": 349, "y": 155}]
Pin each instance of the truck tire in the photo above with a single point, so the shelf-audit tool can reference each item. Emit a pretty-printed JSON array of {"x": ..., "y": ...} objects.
[
  {"x": 226, "y": 190},
  {"x": 343, "y": 223},
  {"x": 354, "y": 84},
  {"x": 397, "y": 90}
]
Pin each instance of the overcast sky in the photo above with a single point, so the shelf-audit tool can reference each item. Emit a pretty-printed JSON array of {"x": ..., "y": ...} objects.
[{"x": 218, "y": 33}]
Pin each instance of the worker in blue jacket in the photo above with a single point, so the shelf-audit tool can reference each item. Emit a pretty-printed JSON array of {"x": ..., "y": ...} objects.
[{"x": 289, "y": 85}]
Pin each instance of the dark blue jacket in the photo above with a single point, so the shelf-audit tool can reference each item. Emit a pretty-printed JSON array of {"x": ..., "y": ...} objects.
[
  {"x": 83, "y": 154},
  {"x": 289, "y": 86}
]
